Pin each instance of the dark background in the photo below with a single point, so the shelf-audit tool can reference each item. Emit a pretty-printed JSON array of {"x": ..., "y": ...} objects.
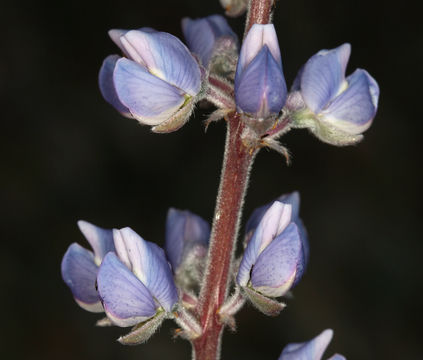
[{"x": 67, "y": 155}]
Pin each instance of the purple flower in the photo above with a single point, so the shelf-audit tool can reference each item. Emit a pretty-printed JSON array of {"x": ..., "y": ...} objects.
[
  {"x": 156, "y": 83},
  {"x": 260, "y": 88},
  {"x": 274, "y": 259},
  {"x": 310, "y": 350},
  {"x": 80, "y": 266},
  {"x": 201, "y": 35},
  {"x": 137, "y": 284},
  {"x": 342, "y": 107},
  {"x": 187, "y": 240},
  {"x": 292, "y": 199}
]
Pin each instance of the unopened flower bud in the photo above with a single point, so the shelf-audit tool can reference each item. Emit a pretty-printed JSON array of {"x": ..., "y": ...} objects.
[
  {"x": 202, "y": 34},
  {"x": 186, "y": 244},
  {"x": 260, "y": 88}
]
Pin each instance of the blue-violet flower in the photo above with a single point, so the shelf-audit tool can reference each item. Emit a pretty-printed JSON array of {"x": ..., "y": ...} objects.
[
  {"x": 186, "y": 243},
  {"x": 292, "y": 199},
  {"x": 260, "y": 88},
  {"x": 158, "y": 81},
  {"x": 273, "y": 260},
  {"x": 310, "y": 350},
  {"x": 340, "y": 108},
  {"x": 80, "y": 266},
  {"x": 137, "y": 283},
  {"x": 201, "y": 35}
]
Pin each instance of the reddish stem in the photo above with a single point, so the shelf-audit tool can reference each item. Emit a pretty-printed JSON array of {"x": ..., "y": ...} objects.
[
  {"x": 233, "y": 184},
  {"x": 260, "y": 12},
  {"x": 235, "y": 174}
]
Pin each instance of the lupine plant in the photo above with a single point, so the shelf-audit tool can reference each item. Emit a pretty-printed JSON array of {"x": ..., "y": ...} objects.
[{"x": 197, "y": 281}]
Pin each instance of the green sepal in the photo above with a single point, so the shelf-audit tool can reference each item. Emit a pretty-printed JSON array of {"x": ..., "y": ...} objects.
[
  {"x": 264, "y": 304},
  {"x": 177, "y": 120},
  {"x": 259, "y": 125},
  {"x": 141, "y": 333},
  {"x": 223, "y": 62},
  {"x": 305, "y": 119}
]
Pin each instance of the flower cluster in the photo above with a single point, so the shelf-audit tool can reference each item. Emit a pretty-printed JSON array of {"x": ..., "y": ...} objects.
[
  {"x": 131, "y": 279},
  {"x": 147, "y": 86},
  {"x": 136, "y": 283}
]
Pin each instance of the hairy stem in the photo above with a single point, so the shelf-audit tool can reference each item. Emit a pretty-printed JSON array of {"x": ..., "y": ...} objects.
[
  {"x": 221, "y": 84},
  {"x": 259, "y": 12},
  {"x": 233, "y": 184},
  {"x": 235, "y": 174}
]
